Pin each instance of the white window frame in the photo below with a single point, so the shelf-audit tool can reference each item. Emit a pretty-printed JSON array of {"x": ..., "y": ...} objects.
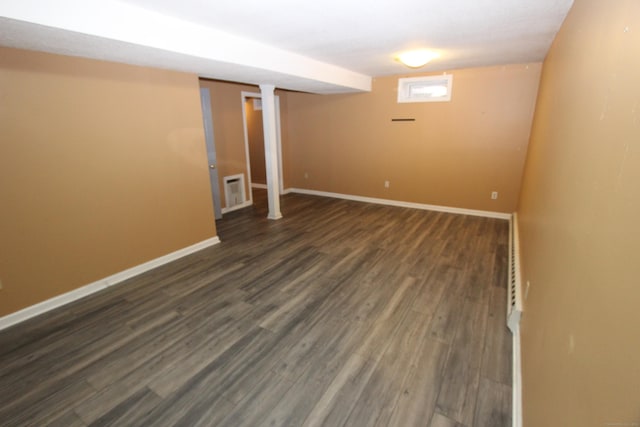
[{"x": 405, "y": 86}]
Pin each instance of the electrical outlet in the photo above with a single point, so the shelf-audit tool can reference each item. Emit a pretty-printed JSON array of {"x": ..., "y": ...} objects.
[
  {"x": 306, "y": 175},
  {"x": 386, "y": 184},
  {"x": 494, "y": 195},
  {"x": 526, "y": 290}
]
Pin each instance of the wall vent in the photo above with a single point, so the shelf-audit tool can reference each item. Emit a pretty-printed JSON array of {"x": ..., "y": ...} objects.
[
  {"x": 234, "y": 190},
  {"x": 514, "y": 303}
]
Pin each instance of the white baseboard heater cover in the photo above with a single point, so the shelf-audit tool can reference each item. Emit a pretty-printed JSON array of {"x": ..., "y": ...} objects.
[
  {"x": 514, "y": 313},
  {"x": 514, "y": 302}
]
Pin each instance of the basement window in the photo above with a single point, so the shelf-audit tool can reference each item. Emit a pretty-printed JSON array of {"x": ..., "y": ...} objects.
[{"x": 425, "y": 89}]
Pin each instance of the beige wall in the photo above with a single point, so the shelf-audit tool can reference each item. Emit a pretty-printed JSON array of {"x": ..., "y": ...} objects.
[
  {"x": 579, "y": 222},
  {"x": 102, "y": 167},
  {"x": 455, "y": 153},
  {"x": 255, "y": 133}
]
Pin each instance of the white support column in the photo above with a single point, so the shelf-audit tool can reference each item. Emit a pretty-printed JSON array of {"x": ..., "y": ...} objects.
[{"x": 271, "y": 149}]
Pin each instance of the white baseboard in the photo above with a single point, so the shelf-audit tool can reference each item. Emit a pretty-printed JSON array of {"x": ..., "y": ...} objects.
[
  {"x": 516, "y": 403},
  {"x": 488, "y": 214},
  {"x": 236, "y": 207},
  {"x": 98, "y": 285},
  {"x": 286, "y": 191}
]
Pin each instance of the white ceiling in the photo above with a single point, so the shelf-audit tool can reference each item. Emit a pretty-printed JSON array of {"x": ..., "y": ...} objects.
[{"x": 318, "y": 46}]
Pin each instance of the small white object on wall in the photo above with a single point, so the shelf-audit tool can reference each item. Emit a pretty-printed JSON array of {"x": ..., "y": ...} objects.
[{"x": 234, "y": 190}]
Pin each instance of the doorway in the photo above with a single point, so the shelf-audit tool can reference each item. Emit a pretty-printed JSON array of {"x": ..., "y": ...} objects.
[
  {"x": 254, "y": 143},
  {"x": 255, "y": 139}
]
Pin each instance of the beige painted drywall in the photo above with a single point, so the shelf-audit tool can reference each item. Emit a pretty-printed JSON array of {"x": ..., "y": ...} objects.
[
  {"x": 454, "y": 154},
  {"x": 579, "y": 225},
  {"x": 102, "y": 167}
]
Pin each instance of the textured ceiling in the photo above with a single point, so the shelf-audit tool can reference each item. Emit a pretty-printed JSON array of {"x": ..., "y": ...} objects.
[
  {"x": 328, "y": 46},
  {"x": 364, "y": 35}
]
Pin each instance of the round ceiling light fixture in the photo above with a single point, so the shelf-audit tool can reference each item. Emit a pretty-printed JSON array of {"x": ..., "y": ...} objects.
[{"x": 416, "y": 58}]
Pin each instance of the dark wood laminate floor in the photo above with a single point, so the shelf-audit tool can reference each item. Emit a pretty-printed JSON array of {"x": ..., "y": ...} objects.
[{"x": 340, "y": 314}]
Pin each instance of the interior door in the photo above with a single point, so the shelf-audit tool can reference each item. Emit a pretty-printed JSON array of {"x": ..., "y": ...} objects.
[{"x": 205, "y": 101}]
